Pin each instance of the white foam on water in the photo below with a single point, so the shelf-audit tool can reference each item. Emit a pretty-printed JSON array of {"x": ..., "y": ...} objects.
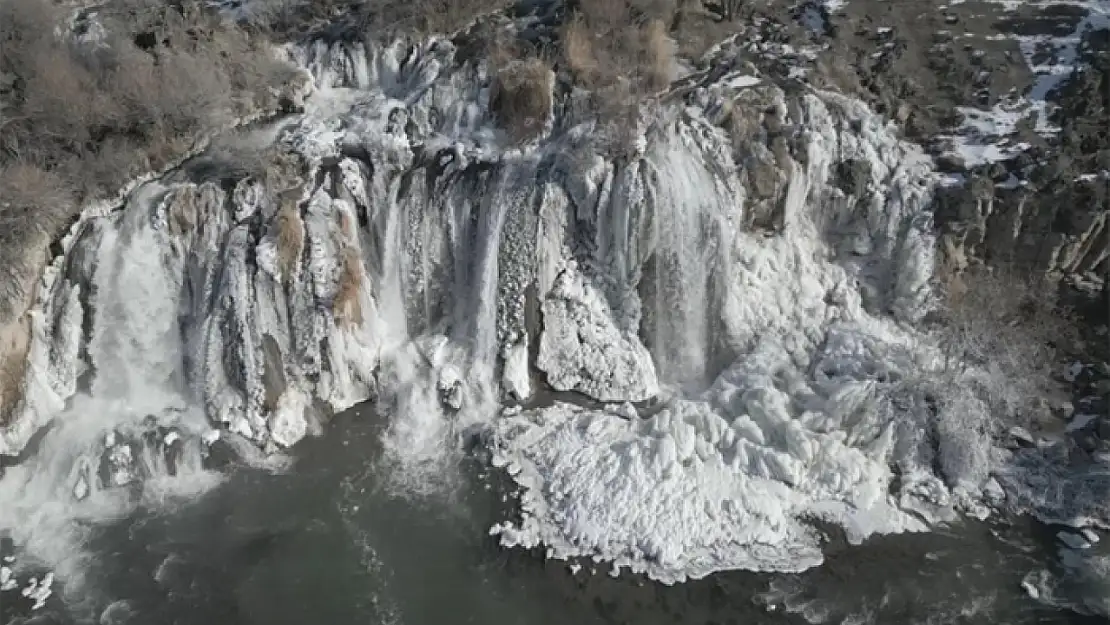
[{"x": 1079, "y": 581}]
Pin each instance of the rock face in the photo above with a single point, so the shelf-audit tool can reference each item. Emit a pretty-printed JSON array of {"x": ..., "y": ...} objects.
[{"x": 1011, "y": 99}]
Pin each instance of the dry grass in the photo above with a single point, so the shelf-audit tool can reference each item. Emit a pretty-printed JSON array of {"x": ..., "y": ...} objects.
[
  {"x": 81, "y": 119},
  {"x": 659, "y": 55},
  {"x": 578, "y": 50},
  {"x": 521, "y": 97},
  {"x": 69, "y": 102},
  {"x": 182, "y": 211},
  {"x": 347, "y": 226},
  {"x": 34, "y": 204},
  {"x": 622, "y": 52},
  {"x": 347, "y": 306},
  {"x": 14, "y": 343},
  {"x": 13, "y": 366},
  {"x": 290, "y": 237},
  {"x": 34, "y": 201}
]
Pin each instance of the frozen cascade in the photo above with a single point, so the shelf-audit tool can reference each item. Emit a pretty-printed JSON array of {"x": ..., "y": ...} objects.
[
  {"x": 692, "y": 204},
  {"x": 133, "y": 438},
  {"x": 794, "y": 428},
  {"x": 396, "y": 250}
]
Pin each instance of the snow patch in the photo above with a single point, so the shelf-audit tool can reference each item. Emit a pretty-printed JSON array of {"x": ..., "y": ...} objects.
[{"x": 517, "y": 376}]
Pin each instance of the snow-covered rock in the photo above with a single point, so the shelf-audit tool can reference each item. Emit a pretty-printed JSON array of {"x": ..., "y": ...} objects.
[{"x": 581, "y": 349}]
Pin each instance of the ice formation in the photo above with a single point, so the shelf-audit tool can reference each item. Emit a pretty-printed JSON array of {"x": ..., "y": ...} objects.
[
  {"x": 795, "y": 429},
  {"x": 398, "y": 251}
]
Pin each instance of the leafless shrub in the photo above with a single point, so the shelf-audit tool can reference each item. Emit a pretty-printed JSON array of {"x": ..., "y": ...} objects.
[
  {"x": 376, "y": 19},
  {"x": 730, "y": 9},
  {"x": 68, "y": 99},
  {"x": 658, "y": 54},
  {"x": 521, "y": 97},
  {"x": 1010, "y": 325},
  {"x": 621, "y": 51},
  {"x": 34, "y": 204},
  {"x": 578, "y": 49},
  {"x": 13, "y": 368},
  {"x": 698, "y": 24},
  {"x": 82, "y": 118}
]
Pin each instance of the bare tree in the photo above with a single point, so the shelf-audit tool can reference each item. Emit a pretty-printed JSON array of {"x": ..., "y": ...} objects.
[
  {"x": 521, "y": 97},
  {"x": 730, "y": 9}
]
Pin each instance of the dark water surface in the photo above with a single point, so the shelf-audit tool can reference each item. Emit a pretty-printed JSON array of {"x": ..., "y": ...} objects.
[{"x": 327, "y": 543}]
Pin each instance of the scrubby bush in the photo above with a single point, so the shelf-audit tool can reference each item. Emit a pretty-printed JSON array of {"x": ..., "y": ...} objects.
[
  {"x": 611, "y": 42},
  {"x": 622, "y": 53},
  {"x": 521, "y": 97},
  {"x": 1009, "y": 325},
  {"x": 34, "y": 204},
  {"x": 347, "y": 306},
  {"x": 376, "y": 19},
  {"x": 83, "y": 114},
  {"x": 290, "y": 237}
]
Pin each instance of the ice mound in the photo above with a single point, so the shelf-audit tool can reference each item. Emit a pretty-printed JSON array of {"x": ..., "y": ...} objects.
[
  {"x": 582, "y": 350},
  {"x": 724, "y": 482}
]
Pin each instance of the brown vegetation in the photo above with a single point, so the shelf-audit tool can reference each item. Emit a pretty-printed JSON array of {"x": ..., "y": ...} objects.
[
  {"x": 521, "y": 97},
  {"x": 1010, "y": 324},
  {"x": 376, "y": 19},
  {"x": 14, "y": 343},
  {"x": 82, "y": 117},
  {"x": 620, "y": 47},
  {"x": 133, "y": 98},
  {"x": 34, "y": 204},
  {"x": 290, "y": 237},
  {"x": 347, "y": 306}
]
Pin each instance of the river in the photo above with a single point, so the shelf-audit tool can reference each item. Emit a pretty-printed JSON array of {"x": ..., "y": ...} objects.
[{"x": 328, "y": 541}]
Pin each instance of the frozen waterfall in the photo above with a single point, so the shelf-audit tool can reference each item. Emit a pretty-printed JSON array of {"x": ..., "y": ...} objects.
[{"x": 396, "y": 250}]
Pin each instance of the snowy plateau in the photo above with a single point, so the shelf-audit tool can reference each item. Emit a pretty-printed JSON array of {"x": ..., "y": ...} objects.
[{"x": 737, "y": 385}]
